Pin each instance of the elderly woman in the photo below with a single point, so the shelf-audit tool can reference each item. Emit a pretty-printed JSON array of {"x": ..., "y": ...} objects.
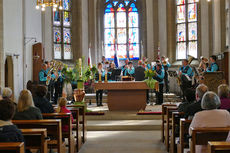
[
  {"x": 7, "y": 93},
  {"x": 210, "y": 116},
  {"x": 223, "y": 93}
]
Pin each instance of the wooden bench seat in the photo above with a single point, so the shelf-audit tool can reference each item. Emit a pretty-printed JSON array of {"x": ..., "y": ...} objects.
[
  {"x": 12, "y": 147},
  {"x": 184, "y": 130},
  {"x": 53, "y": 127},
  {"x": 35, "y": 139},
  {"x": 65, "y": 121},
  {"x": 176, "y": 116},
  {"x": 163, "y": 114},
  {"x": 201, "y": 136},
  {"x": 218, "y": 147}
]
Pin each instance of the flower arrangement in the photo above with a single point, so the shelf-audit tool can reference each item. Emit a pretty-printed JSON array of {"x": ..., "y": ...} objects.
[{"x": 150, "y": 81}]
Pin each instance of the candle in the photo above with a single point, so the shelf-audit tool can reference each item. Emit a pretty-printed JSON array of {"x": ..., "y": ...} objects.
[
  {"x": 106, "y": 79},
  {"x": 99, "y": 77}
]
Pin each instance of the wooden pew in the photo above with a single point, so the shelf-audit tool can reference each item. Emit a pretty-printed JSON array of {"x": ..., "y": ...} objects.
[
  {"x": 54, "y": 130},
  {"x": 184, "y": 129},
  {"x": 76, "y": 126},
  {"x": 201, "y": 136},
  {"x": 82, "y": 121},
  {"x": 35, "y": 139},
  {"x": 176, "y": 116},
  {"x": 65, "y": 121},
  {"x": 218, "y": 147},
  {"x": 12, "y": 147},
  {"x": 164, "y": 106},
  {"x": 169, "y": 111}
]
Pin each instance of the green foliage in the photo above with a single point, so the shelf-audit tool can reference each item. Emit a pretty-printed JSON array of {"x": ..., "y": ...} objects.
[{"x": 150, "y": 81}]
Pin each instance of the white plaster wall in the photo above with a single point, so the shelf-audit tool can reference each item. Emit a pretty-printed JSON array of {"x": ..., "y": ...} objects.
[
  {"x": 33, "y": 28},
  {"x": 47, "y": 34},
  {"x": 149, "y": 18},
  {"x": 204, "y": 29},
  {"x": 162, "y": 15},
  {"x": 16, "y": 25},
  {"x": 216, "y": 27}
]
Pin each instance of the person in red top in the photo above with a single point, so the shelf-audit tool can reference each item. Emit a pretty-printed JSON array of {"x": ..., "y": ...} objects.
[
  {"x": 223, "y": 93},
  {"x": 62, "y": 102}
]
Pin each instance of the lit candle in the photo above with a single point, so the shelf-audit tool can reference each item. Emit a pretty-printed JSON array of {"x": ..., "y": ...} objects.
[
  {"x": 106, "y": 79},
  {"x": 99, "y": 76},
  {"x": 80, "y": 67}
]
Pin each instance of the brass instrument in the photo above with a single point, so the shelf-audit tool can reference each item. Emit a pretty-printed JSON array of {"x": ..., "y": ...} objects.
[
  {"x": 203, "y": 64},
  {"x": 54, "y": 66},
  {"x": 190, "y": 59},
  {"x": 165, "y": 62}
]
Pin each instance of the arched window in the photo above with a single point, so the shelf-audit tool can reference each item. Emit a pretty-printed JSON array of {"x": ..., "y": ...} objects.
[
  {"x": 187, "y": 38},
  {"x": 62, "y": 32},
  {"x": 121, "y": 29}
]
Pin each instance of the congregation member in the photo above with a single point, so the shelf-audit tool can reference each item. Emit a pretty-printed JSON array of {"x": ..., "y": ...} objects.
[
  {"x": 8, "y": 131},
  {"x": 140, "y": 72},
  {"x": 25, "y": 108},
  {"x": 62, "y": 102},
  {"x": 223, "y": 93},
  {"x": 99, "y": 93},
  {"x": 190, "y": 97},
  {"x": 195, "y": 107},
  {"x": 130, "y": 70},
  {"x": 7, "y": 93},
  {"x": 209, "y": 117},
  {"x": 40, "y": 100},
  {"x": 160, "y": 78},
  {"x": 214, "y": 66},
  {"x": 166, "y": 66}
]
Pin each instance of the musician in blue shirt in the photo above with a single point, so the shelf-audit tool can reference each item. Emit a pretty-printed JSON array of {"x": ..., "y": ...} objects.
[
  {"x": 214, "y": 67},
  {"x": 99, "y": 93},
  {"x": 160, "y": 78},
  {"x": 166, "y": 66},
  {"x": 130, "y": 70},
  {"x": 43, "y": 75},
  {"x": 58, "y": 84},
  {"x": 185, "y": 74}
]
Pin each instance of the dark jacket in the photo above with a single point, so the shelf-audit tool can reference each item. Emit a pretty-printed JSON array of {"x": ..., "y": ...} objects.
[
  {"x": 32, "y": 113},
  {"x": 43, "y": 104},
  {"x": 183, "y": 106},
  {"x": 192, "y": 109},
  {"x": 10, "y": 133},
  {"x": 139, "y": 73}
]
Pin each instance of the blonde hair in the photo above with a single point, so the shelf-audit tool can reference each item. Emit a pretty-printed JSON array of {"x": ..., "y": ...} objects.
[
  {"x": 61, "y": 102},
  {"x": 25, "y": 100},
  {"x": 223, "y": 91}
]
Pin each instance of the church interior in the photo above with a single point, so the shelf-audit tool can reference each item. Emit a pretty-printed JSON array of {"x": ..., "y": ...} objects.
[{"x": 114, "y": 76}]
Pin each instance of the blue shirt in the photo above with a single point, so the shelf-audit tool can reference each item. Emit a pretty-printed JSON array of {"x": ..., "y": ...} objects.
[
  {"x": 214, "y": 68},
  {"x": 161, "y": 76},
  {"x": 189, "y": 71},
  {"x": 129, "y": 71},
  {"x": 42, "y": 75}
]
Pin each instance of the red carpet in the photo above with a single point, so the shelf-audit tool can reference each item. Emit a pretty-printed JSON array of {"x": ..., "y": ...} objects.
[{"x": 149, "y": 113}]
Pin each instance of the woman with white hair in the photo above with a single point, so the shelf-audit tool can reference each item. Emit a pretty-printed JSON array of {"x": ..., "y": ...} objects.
[
  {"x": 25, "y": 108},
  {"x": 211, "y": 116},
  {"x": 7, "y": 93}
]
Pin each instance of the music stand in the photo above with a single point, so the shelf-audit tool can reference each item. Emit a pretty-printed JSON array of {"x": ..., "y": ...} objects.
[
  {"x": 116, "y": 74},
  {"x": 172, "y": 73}
]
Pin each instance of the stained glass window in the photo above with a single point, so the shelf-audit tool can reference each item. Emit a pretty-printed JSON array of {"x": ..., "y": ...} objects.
[
  {"x": 121, "y": 29},
  {"x": 62, "y": 32},
  {"x": 187, "y": 35}
]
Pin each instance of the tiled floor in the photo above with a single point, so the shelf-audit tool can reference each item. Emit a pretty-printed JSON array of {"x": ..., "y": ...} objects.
[{"x": 123, "y": 142}]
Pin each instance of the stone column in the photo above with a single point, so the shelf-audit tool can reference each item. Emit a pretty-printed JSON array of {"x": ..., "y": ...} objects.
[
  {"x": 155, "y": 29},
  {"x": 1, "y": 45}
]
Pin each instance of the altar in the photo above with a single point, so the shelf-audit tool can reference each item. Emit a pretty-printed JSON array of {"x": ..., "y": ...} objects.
[{"x": 125, "y": 95}]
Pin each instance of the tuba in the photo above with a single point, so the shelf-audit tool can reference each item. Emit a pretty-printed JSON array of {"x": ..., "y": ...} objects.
[{"x": 190, "y": 59}]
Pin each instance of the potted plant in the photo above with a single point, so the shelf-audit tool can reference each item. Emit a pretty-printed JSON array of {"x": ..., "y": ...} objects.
[{"x": 149, "y": 74}]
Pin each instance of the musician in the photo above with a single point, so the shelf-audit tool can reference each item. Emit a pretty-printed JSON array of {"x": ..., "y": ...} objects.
[
  {"x": 166, "y": 66},
  {"x": 185, "y": 74},
  {"x": 140, "y": 72},
  {"x": 125, "y": 66},
  {"x": 213, "y": 67},
  {"x": 43, "y": 74},
  {"x": 58, "y": 85},
  {"x": 160, "y": 74},
  {"x": 50, "y": 93},
  {"x": 100, "y": 92},
  {"x": 130, "y": 70}
]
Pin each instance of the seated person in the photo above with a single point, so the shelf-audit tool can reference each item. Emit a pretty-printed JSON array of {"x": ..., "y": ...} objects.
[
  {"x": 210, "y": 116},
  {"x": 193, "y": 108},
  {"x": 62, "y": 102},
  {"x": 140, "y": 72},
  {"x": 190, "y": 97},
  {"x": 129, "y": 70},
  {"x": 213, "y": 67},
  {"x": 223, "y": 93},
  {"x": 8, "y": 131},
  {"x": 25, "y": 108},
  {"x": 41, "y": 101},
  {"x": 7, "y": 94}
]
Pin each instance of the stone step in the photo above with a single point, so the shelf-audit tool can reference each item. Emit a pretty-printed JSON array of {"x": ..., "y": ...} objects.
[{"x": 124, "y": 125}]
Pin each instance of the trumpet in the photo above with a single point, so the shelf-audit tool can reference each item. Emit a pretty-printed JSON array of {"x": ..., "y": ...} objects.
[
  {"x": 203, "y": 64},
  {"x": 165, "y": 61}
]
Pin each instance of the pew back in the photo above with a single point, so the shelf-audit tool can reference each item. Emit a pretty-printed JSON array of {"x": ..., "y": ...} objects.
[
  {"x": 218, "y": 147},
  {"x": 12, "y": 147}
]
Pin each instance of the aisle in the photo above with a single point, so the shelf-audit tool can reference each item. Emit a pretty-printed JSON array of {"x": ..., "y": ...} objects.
[{"x": 123, "y": 142}]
